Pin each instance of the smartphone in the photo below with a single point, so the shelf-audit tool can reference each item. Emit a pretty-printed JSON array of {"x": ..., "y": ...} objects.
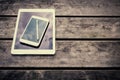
[{"x": 34, "y": 31}]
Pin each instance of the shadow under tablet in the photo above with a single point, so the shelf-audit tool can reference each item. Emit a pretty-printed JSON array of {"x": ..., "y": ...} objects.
[{"x": 40, "y": 41}]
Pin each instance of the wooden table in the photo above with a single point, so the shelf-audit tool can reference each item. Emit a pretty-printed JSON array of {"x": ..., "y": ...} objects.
[{"x": 87, "y": 41}]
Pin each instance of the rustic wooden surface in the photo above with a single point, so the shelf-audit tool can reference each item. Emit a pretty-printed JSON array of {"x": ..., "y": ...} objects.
[
  {"x": 76, "y": 19},
  {"x": 70, "y": 27},
  {"x": 59, "y": 75},
  {"x": 68, "y": 54},
  {"x": 81, "y": 53},
  {"x": 64, "y": 7}
]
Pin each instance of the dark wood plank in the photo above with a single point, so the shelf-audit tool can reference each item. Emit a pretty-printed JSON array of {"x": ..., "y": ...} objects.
[
  {"x": 64, "y": 7},
  {"x": 72, "y": 27},
  {"x": 68, "y": 54},
  {"x": 59, "y": 75}
]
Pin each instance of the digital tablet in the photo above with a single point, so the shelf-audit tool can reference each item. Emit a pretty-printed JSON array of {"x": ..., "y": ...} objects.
[{"x": 34, "y": 32}]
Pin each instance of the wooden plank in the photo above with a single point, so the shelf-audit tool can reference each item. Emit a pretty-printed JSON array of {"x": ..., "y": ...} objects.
[
  {"x": 69, "y": 27},
  {"x": 59, "y": 75},
  {"x": 68, "y": 54},
  {"x": 64, "y": 7},
  {"x": 88, "y": 27},
  {"x": 7, "y": 27}
]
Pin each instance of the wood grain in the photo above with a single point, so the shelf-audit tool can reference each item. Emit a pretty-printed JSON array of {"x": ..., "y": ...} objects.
[
  {"x": 64, "y": 7},
  {"x": 59, "y": 75},
  {"x": 68, "y": 54},
  {"x": 69, "y": 27}
]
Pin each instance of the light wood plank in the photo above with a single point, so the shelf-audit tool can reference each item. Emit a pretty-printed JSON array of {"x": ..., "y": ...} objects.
[
  {"x": 68, "y": 54},
  {"x": 68, "y": 27},
  {"x": 59, "y": 75},
  {"x": 64, "y": 7}
]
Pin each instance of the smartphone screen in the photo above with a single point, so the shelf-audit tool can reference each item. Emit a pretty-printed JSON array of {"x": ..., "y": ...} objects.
[{"x": 35, "y": 29}]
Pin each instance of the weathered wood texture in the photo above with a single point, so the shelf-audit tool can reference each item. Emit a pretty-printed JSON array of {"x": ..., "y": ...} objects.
[
  {"x": 64, "y": 7},
  {"x": 58, "y": 75},
  {"x": 69, "y": 27},
  {"x": 68, "y": 54}
]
